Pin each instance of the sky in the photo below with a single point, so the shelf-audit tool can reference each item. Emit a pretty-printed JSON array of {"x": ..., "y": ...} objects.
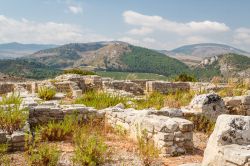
[{"x": 156, "y": 24}]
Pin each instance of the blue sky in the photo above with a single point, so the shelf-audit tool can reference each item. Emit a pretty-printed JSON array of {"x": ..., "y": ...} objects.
[{"x": 158, "y": 24}]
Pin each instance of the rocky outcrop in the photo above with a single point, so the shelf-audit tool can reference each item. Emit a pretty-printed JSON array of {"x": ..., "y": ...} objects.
[{"x": 229, "y": 143}]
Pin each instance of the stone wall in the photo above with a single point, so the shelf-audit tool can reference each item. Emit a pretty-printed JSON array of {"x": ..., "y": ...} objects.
[
  {"x": 127, "y": 86},
  {"x": 166, "y": 87},
  {"x": 6, "y": 87},
  {"x": 172, "y": 135},
  {"x": 51, "y": 111},
  {"x": 238, "y": 105},
  {"x": 15, "y": 141}
]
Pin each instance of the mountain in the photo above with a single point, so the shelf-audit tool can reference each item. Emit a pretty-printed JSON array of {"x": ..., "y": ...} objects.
[
  {"x": 227, "y": 65},
  {"x": 193, "y": 54},
  {"x": 26, "y": 69},
  {"x": 15, "y": 50},
  {"x": 111, "y": 56}
]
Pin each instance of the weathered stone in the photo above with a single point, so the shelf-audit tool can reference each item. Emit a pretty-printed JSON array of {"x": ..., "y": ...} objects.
[
  {"x": 228, "y": 142},
  {"x": 3, "y": 138},
  {"x": 211, "y": 105},
  {"x": 18, "y": 136}
]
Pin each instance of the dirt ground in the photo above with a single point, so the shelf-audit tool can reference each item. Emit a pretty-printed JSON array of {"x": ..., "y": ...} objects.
[{"x": 123, "y": 152}]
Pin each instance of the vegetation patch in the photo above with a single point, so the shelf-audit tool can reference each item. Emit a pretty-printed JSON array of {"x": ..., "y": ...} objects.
[
  {"x": 12, "y": 117},
  {"x": 79, "y": 71},
  {"x": 46, "y": 93},
  {"x": 202, "y": 124},
  {"x": 100, "y": 100},
  {"x": 147, "y": 149},
  {"x": 90, "y": 148},
  {"x": 57, "y": 131}
]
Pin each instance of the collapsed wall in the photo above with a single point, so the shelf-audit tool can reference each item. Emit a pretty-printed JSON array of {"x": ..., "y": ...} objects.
[{"x": 171, "y": 134}]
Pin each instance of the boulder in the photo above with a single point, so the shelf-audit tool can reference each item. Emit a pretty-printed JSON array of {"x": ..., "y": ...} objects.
[
  {"x": 229, "y": 143},
  {"x": 211, "y": 105}
]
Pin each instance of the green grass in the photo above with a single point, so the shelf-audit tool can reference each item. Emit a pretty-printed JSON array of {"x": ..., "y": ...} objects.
[
  {"x": 46, "y": 93},
  {"x": 130, "y": 75},
  {"x": 100, "y": 100}
]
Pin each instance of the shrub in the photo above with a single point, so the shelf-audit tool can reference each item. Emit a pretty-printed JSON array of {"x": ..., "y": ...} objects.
[
  {"x": 79, "y": 71},
  {"x": 46, "y": 93},
  {"x": 90, "y": 148},
  {"x": 202, "y": 124},
  {"x": 185, "y": 78},
  {"x": 100, "y": 100},
  {"x": 12, "y": 99},
  {"x": 12, "y": 118},
  {"x": 147, "y": 149},
  {"x": 57, "y": 131},
  {"x": 3, "y": 155},
  {"x": 43, "y": 154}
]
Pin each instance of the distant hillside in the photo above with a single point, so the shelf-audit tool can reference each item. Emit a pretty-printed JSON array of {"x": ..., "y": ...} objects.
[
  {"x": 15, "y": 50},
  {"x": 227, "y": 65},
  {"x": 111, "y": 56},
  {"x": 27, "y": 69},
  {"x": 193, "y": 54}
]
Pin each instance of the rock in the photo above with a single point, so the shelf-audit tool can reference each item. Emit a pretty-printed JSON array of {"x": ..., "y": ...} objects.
[
  {"x": 18, "y": 136},
  {"x": 228, "y": 142},
  {"x": 191, "y": 164},
  {"x": 120, "y": 105},
  {"x": 3, "y": 138},
  {"x": 211, "y": 105}
]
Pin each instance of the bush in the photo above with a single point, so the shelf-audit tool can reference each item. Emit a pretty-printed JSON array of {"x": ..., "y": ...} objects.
[
  {"x": 12, "y": 118},
  {"x": 90, "y": 148},
  {"x": 46, "y": 93},
  {"x": 57, "y": 131},
  {"x": 12, "y": 99},
  {"x": 185, "y": 78},
  {"x": 147, "y": 149},
  {"x": 79, "y": 71},
  {"x": 43, "y": 155},
  {"x": 100, "y": 100}
]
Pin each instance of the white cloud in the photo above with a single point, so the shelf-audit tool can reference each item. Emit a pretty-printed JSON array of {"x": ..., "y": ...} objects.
[
  {"x": 242, "y": 36},
  {"x": 141, "y": 31},
  {"x": 27, "y": 31},
  {"x": 75, "y": 9},
  {"x": 159, "y": 23}
]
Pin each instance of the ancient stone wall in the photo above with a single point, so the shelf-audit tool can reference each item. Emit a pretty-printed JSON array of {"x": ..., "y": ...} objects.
[
  {"x": 166, "y": 87},
  {"x": 172, "y": 135},
  {"x": 6, "y": 87},
  {"x": 125, "y": 86},
  {"x": 238, "y": 105}
]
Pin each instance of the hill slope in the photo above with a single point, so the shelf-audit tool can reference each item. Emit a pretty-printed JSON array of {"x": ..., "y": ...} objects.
[
  {"x": 227, "y": 65},
  {"x": 112, "y": 56},
  {"x": 193, "y": 54},
  {"x": 27, "y": 69},
  {"x": 15, "y": 50}
]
